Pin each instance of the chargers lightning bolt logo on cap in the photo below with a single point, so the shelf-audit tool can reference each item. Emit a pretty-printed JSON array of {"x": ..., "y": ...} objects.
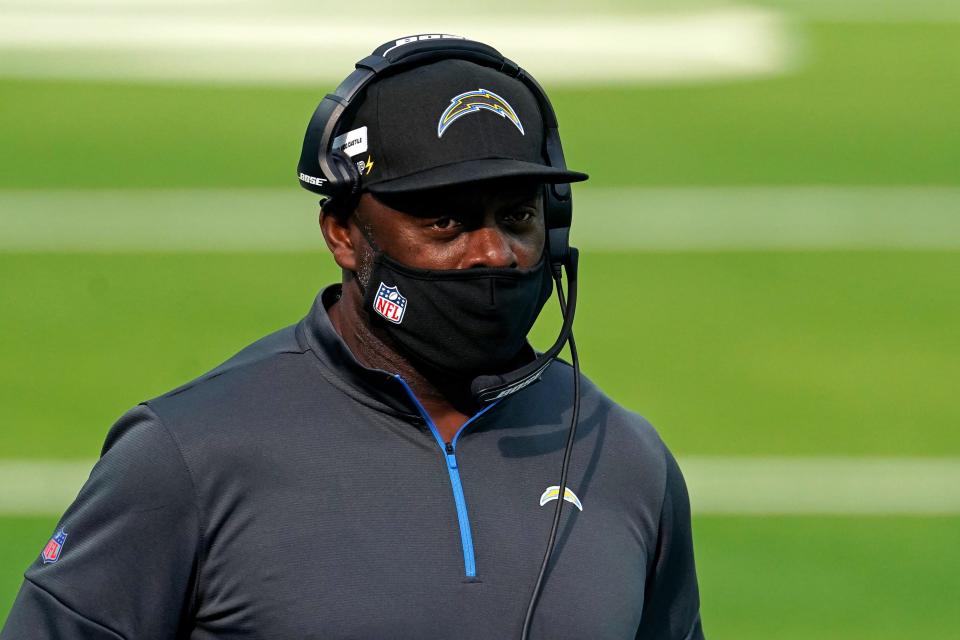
[
  {"x": 472, "y": 102},
  {"x": 551, "y": 493}
]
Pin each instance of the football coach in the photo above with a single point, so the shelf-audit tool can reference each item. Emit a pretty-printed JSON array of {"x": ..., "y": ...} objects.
[{"x": 400, "y": 463}]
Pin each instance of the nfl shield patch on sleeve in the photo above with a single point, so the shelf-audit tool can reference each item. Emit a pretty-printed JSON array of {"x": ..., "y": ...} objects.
[{"x": 51, "y": 552}]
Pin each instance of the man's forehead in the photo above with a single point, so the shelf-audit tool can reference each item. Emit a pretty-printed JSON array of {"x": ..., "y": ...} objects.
[{"x": 479, "y": 194}]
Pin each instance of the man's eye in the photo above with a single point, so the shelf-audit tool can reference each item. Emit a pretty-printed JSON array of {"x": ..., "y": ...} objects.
[
  {"x": 444, "y": 223},
  {"x": 521, "y": 215}
]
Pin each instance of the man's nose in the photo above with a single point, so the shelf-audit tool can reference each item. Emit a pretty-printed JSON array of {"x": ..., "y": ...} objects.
[{"x": 489, "y": 246}]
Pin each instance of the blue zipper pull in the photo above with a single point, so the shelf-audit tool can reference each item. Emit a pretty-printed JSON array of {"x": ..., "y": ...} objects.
[{"x": 451, "y": 456}]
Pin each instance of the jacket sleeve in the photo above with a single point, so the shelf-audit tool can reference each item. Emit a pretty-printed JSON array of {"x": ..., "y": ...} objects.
[
  {"x": 671, "y": 609},
  {"x": 123, "y": 561}
]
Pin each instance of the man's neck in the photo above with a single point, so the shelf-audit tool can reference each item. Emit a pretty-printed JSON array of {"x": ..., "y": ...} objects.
[{"x": 351, "y": 322}]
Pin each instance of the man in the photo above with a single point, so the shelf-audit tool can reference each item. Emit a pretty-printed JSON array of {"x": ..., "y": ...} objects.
[{"x": 339, "y": 478}]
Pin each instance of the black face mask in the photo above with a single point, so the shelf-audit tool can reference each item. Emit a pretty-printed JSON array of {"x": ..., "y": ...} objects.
[{"x": 462, "y": 322}]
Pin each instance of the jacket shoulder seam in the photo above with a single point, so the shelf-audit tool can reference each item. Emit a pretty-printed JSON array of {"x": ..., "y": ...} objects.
[
  {"x": 226, "y": 367},
  {"x": 201, "y": 532}
]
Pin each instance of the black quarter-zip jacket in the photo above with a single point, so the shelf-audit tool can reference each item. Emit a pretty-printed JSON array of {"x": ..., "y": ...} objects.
[{"x": 293, "y": 493}]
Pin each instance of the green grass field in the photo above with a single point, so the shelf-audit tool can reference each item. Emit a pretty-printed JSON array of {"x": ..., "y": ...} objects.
[{"x": 764, "y": 352}]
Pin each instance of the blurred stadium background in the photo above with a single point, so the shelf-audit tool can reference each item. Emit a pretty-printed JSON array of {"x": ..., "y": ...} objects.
[{"x": 770, "y": 237}]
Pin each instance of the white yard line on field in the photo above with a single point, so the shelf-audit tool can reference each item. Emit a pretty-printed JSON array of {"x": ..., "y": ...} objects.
[
  {"x": 717, "y": 485},
  {"x": 634, "y": 219},
  {"x": 309, "y": 47},
  {"x": 847, "y": 10},
  {"x": 855, "y": 486},
  {"x": 871, "y": 10},
  {"x": 40, "y": 487},
  {"x": 782, "y": 218}
]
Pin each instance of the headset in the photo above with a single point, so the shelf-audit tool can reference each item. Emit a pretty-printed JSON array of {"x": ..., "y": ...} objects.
[{"x": 330, "y": 173}]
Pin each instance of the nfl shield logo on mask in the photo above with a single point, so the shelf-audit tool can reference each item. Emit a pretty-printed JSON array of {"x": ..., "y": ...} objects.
[
  {"x": 390, "y": 304},
  {"x": 51, "y": 552}
]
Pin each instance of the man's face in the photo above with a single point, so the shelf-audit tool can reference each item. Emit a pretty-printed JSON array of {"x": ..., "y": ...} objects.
[{"x": 492, "y": 224}]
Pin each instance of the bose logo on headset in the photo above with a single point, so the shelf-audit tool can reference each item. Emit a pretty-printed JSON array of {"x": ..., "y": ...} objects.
[
  {"x": 429, "y": 36},
  {"x": 517, "y": 387},
  {"x": 311, "y": 180}
]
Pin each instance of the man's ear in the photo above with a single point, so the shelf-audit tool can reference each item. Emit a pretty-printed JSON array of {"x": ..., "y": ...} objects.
[{"x": 337, "y": 234}]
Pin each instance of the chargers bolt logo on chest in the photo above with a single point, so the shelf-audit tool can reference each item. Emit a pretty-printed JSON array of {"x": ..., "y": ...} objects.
[
  {"x": 390, "y": 304},
  {"x": 51, "y": 552},
  {"x": 552, "y": 493}
]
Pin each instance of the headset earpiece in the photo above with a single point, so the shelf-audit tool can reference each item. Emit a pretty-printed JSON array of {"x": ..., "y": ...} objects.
[
  {"x": 557, "y": 216},
  {"x": 344, "y": 177}
]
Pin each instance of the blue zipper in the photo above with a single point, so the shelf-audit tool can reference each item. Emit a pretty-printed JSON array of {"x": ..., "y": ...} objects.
[{"x": 449, "y": 450}]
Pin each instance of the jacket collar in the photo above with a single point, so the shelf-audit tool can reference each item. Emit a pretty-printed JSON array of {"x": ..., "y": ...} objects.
[{"x": 375, "y": 387}]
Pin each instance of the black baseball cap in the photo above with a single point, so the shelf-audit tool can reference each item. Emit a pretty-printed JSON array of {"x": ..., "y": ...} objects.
[{"x": 446, "y": 123}]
